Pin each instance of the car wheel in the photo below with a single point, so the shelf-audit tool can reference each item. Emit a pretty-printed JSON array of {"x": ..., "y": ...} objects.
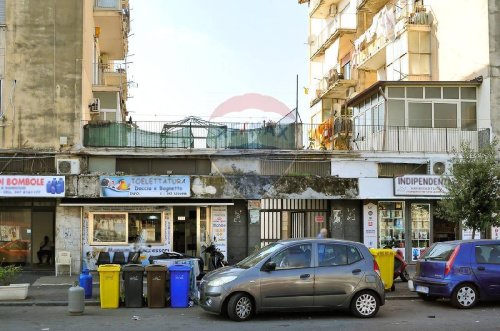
[
  {"x": 405, "y": 276},
  {"x": 425, "y": 297},
  {"x": 240, "y": 307},
  {"x": 365, "y": 304},
  {"x": 465, "y": 296}
]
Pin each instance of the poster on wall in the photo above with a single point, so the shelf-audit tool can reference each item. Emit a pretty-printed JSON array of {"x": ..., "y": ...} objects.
[
  {"x": 144, "y": 186},
  {"x": 416, "y": 252},
  {"x": 91, "y": 251},
  {"x": 219, "y": 228},
  {"x": 495, "y": 232},
  {"x": 370, "y": 223},
  {"x": 32, "y": 186}
]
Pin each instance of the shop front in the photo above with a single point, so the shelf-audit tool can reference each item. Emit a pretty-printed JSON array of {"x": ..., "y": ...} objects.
[{"x": 27, "y": 219}]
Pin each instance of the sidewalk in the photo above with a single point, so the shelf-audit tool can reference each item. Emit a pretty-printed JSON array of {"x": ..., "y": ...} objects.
[{"x": 49, "y": 290}]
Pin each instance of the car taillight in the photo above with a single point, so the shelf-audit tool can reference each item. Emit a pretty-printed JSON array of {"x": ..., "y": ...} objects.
[
  {"x": 375, "y": 267},
  {"x": 449, "y": 263}
]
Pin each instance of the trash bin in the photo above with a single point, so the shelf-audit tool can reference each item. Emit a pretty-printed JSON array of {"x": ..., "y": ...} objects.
[
  {"x": 385, "y": 261},
  {"x": 132, "y": 275},
  {"x": 109, "y": 277},
  {"x": 86, "y": 283},
  {"x": 179, "y": 285},
  {"x": 156, "y": 275}
]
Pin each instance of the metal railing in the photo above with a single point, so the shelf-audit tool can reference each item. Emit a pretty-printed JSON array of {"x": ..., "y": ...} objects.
[
  {"x": 101, "y": 69},
  {"x": 340, "y": 21},
  {"x": 334, "y": 134}
]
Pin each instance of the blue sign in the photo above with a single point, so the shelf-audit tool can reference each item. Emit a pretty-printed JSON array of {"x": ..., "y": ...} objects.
[{"x": 145, "y": 186}]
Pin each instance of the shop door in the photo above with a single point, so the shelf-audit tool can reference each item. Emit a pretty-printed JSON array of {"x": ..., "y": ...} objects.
[{"x": 203, "y": 229}]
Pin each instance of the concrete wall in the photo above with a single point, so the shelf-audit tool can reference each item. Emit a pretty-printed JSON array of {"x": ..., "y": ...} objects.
[
  {"x": 494, "y": 53},
  {"x": 43, "y": 45},
  {"x": 354, "y": 169},
  {"x": 69, "y": 234}
]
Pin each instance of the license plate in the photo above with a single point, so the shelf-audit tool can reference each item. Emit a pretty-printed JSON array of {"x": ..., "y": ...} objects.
[{"x": 422, "y": 289}]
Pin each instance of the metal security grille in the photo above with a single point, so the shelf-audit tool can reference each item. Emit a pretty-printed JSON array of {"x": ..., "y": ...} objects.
[
  {"x": 270, "y": 227},
  {"x": 291, "y": 167},
  {"x": 297, "y": 225}
]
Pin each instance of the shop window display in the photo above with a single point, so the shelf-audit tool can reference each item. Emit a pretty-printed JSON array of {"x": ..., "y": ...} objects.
[
  {"x": 391, "y": 224},
  {"x": 144, "y": 228},
  {"x": 420, "y": 228},
  {"x": 109, "y": 228}
]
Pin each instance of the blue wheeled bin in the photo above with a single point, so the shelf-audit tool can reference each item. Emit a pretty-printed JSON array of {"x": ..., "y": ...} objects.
[
  {"x": 179, "y": 285},
  {"x": 86, "y": 283}
]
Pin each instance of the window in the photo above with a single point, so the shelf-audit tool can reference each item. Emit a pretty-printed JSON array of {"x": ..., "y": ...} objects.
[
  {"x": 332, "y": 255},
  {"x": 396, "y": 113},
  {"x": 353, "y": 255},
  {"x": 445, "y": 115},
  {"x": 450, "y": 92},
  {"x": 396, "y": 92},
  {"x": 433, "y": 93},
  {"x": 108, "y": 228},
  {"x": 468, "y": 93},
  {"x": 420, "y": 115},
  {"x": 488, "y": 254},
  {"x": 2, "y": 12},
  {"x": 293, "y": 257},
  {"x": 415, "y": 92},
  {"x": 144, "y": 228},
  {"x": 468, "y": 118}
]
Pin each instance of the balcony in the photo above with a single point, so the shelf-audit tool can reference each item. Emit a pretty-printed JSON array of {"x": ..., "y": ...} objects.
[
  {"x": 193, "y": 132},
  {"x": 372, "y": 6},
  {"x": 334, "y": 85},
  {"x": 110, "y": 74},
  {"x": 332, "y": 134},
  {"x": 339, "y": 25},
  {"x": 371, "y": 47},
  {"x": 413, "y": 139},
  {"x": 113, "y": 20},
  {"x": 323, "y": 8}
]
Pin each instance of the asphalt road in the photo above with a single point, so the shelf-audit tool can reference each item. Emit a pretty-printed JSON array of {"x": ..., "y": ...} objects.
[{"x": 395, "y": 315}]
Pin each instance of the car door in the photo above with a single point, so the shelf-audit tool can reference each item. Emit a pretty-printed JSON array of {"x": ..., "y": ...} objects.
[
  {"x": 339, "y": 270},
  {"x": 291, "y": 285},
  {"x": 487, "y": 268}
]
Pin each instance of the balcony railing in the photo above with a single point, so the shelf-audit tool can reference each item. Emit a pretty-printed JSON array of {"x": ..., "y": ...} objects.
[
  {"x": 328, "y": 35},
  {"x": 103, "y": 69},
  {"x": 194, "y": 134},
  {"x": 410, "y": 139}
]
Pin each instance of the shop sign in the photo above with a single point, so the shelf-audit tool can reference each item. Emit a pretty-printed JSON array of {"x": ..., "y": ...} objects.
[
  {"x": 420, "y": 185},
  {"x": 32, "y": 186},
  {"x": 319, "y": 218},
  {"x": 495, "y": 232},
  {"x": 370, "y": 223},
  {"x": 467, "y": 234},
  {"x": 145, "y": 186},
  {"x": 219, "y": 229}
]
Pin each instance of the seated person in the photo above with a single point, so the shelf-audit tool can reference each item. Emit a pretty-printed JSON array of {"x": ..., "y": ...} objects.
[{"x": 46, "y": 248}]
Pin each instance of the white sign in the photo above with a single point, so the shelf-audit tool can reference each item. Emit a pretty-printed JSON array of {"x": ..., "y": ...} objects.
[
  {"x": 219, "y": 229},
  {"x": 420, "y": 185},
  {"x": 370, "y": 223},
  {"x": 467, "y": 234},
  {"x": 495, "y": 232},
  {"x": 32, "y": 186}
]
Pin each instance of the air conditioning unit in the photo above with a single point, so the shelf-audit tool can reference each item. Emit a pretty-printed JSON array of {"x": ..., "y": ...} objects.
[
  {"x": 439, "y": 167},
  {"x": 95, "y": 105},
  {"x": 68, "y": 167},
  {"x": 333, "y": 10}
]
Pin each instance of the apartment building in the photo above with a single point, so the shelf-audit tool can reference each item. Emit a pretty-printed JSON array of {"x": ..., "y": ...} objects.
[{"x": 400, "y": 84}]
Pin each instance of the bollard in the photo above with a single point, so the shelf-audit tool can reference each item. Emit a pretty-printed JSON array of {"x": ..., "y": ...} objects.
[{"x": 76, "y": 301}]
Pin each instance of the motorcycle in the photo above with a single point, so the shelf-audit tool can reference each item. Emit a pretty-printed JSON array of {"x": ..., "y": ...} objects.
[{"x": 216, "y": 259}]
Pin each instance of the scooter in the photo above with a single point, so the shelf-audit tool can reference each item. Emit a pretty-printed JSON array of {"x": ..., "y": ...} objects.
[
  {"x": 400, "y": 267},
  {"x": 216, "y": 260}
]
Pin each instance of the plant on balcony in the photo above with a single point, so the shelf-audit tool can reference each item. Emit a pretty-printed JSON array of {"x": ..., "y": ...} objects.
[{"x": 473, "y": 186}]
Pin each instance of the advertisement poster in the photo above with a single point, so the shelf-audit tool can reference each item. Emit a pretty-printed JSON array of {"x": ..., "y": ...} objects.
[
  {"x": 370, "y": 224},
  {"x": 495, "y": 232},
  {"x": 416, "y": 252},
  {"x": 467, "y": 234},
  {"x": 32, "y": 186},
  {"x": 145, "y": 186},
  {"x": 219, "y": 228}
]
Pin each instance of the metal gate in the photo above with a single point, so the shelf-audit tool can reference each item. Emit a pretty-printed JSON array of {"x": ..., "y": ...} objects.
[{"x": 297, "y": 225}]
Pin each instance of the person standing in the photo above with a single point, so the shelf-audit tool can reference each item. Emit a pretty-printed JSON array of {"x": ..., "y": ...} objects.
[
  {"x": 323, "y": 233},
  {"x": 45, "y": 250}
]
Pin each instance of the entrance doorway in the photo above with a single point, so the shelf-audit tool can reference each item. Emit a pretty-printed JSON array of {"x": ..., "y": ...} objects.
[{"x": 191, "y": 230}]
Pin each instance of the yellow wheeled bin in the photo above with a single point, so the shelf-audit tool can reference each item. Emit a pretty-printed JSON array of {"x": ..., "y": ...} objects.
[
  {"x": 109, "y": 278},
  {"x": 385, "y": 261}
]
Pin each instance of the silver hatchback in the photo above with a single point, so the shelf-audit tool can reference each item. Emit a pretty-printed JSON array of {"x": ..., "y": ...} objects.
[{"x": 295, "y": 274}]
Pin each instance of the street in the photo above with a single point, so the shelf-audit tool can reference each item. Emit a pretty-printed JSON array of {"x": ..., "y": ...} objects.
[{"x": 395, "y": 315}]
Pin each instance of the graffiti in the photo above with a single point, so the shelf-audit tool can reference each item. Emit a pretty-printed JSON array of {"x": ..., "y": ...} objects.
[{"x": 237, "y": 216}]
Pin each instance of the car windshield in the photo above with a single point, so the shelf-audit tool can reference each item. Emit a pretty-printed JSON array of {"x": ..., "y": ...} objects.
[
  {"x": 440, "y": 252},
  {"x": 258, "y": 256}
]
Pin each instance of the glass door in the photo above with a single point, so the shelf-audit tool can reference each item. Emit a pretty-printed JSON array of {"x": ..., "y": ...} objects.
[
  {"x": 420, "y": 228},
  {"x": 203, "y": 230},
  {"x": 391, "y": 224}
]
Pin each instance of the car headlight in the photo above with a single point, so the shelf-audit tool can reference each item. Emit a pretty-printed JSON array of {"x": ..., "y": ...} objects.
[{"x": 221, "y": 281}]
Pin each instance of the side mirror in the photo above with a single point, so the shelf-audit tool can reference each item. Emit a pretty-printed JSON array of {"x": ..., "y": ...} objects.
[{"x": 269, "y": 266}]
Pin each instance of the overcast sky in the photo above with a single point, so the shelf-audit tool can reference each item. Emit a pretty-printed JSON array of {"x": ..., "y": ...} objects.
[{"x": 190, "y": 56}]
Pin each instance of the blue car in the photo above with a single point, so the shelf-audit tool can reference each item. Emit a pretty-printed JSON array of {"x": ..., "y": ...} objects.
[{"x": 465, "y": 271}]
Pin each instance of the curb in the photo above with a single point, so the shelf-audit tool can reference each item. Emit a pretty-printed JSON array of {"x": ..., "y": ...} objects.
[{"x": 43, "y": 303}]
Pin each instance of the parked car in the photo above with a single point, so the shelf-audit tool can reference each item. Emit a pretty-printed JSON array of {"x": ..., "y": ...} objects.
[
  {"x": 295, "y": 274},
  {"x": 16, "y": 251},
  {"x": 464, "y": 271}
]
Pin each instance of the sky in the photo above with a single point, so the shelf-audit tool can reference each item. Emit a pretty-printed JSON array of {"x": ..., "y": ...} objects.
[{"x": 188, "y": 57}]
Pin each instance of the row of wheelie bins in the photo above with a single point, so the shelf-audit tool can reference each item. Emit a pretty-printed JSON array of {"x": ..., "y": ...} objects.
[{"x": 133, "y": 285}]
